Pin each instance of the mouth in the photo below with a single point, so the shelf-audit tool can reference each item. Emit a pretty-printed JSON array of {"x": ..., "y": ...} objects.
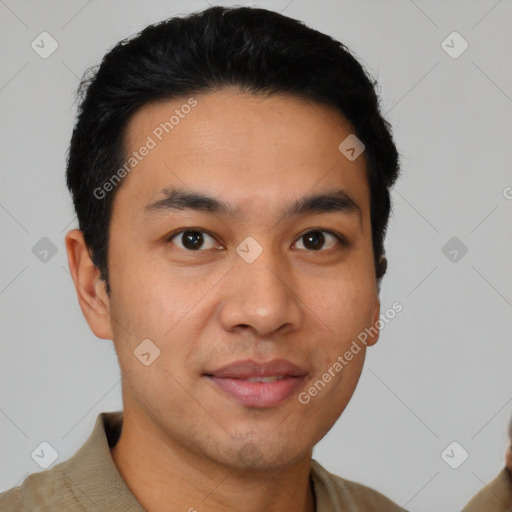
[{"x": 260, "y": 385}]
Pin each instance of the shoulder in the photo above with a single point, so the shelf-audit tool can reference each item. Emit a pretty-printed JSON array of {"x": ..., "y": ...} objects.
[
  {"x": 12, "y": 500},
  {"x": 343, "y": 493},
  {"x": 496, "y": 496},
  {"x": 40, "y": 492}
]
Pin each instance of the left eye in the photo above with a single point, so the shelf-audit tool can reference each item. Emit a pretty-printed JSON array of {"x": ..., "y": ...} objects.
[{"x": 316, "y": 238}]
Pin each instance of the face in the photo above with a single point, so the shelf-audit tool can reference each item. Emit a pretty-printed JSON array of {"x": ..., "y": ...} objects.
[{"x": 254, "y": 280}]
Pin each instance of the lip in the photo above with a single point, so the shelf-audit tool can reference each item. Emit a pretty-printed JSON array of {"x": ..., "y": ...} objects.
[
  {"x": 232, "y": 379},
  {"x": 249, "y": 368}
]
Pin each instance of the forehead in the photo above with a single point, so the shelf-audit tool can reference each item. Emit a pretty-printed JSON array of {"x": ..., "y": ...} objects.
[{"x": 248, "y": 148}]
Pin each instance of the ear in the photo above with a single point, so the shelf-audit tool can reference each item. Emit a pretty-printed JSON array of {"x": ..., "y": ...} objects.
[
  {"x": 374, "y": 330},
  {"x": 508, "y": 456},
  {"x": 382, "y": 266},
  {"x": 90, "y": 289}
]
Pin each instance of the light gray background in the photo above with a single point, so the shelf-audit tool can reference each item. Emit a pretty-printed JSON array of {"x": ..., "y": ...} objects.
[{"x": 441, "y": 370}]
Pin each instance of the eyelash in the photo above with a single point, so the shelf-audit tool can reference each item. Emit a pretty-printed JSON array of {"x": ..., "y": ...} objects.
[{"x": 338, "y": 236}]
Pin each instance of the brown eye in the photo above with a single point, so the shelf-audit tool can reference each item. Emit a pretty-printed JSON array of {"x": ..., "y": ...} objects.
[
  {"x": 193, "y": 240},
  {"x": 316, "y": 240}
]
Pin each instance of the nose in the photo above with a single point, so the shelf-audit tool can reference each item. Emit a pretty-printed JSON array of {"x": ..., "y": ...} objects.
[{"x": 262, "y": 296}]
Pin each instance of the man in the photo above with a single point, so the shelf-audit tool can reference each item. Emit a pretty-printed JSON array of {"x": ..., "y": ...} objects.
[
  {"x": 231, "y": 172},
  {"x": 497, "y": 495}
]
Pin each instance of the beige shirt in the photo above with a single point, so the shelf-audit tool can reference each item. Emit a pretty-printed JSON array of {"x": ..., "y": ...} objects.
[
  {"x": 494, "y": 497},
  {"x": 90, "y": 482}
]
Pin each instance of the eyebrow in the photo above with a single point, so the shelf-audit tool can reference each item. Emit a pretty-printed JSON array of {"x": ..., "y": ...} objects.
[{"x": 179, "y": 199}]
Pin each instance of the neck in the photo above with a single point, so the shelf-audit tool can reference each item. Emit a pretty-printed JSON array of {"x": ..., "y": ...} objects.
[{"x": 165, "y": 475}]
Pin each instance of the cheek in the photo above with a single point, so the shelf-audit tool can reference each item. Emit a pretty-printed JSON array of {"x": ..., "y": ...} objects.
[
  {"x": 347, "y": 307},
  {"x": 164, "y": 305},
  {"x": 147, "y": 293},
  {"x": 347, "y": 310}
]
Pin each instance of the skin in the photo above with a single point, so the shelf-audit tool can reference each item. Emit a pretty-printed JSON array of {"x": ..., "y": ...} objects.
[{"x": 183, "y": 440}]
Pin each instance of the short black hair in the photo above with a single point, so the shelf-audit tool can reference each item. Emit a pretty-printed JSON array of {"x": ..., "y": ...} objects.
[{"x": 255, "y": 50}]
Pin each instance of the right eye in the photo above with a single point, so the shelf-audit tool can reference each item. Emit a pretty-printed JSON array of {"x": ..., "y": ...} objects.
[{"x": 192, "y": 239}]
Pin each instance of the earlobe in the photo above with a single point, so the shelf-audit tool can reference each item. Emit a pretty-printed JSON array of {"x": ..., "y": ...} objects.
[{"x": 90, "y": 290}]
